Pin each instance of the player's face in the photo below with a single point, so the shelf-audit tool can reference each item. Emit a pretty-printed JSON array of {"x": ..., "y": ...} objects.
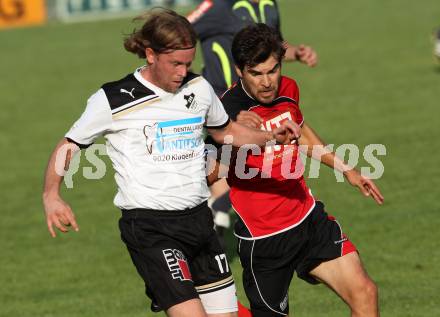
[
  {"x": 263, "y": 80},
  {"x": 167, "y": 70}
]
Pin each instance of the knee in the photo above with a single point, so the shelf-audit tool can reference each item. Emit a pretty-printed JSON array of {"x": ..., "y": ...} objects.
[
  {"x": 371, "y": 290},
  {"x": 366, "y": 293}
]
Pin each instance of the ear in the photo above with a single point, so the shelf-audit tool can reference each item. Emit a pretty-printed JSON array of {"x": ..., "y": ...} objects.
[
  {"x": 150, "y": 56},
  {"x": 238, "y": 71}
]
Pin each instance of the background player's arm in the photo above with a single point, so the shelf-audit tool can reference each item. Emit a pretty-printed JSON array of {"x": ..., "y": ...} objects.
[
  {"x": 57, "y": 211},
  {"x": 315, "y": 148},
  {"x": 302, "y": 53}
]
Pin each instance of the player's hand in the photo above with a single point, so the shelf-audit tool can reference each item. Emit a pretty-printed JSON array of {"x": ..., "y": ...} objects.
[
  {"x": 250, "y": 119},
  {"x": 288, "y": 133},
  {"x": 58, "y": 214},
  {"x": 365, "y": 185},
  {"x": 305, "y": 54}
]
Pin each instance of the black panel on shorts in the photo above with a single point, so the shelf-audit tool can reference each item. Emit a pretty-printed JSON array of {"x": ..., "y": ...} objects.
[
  {"x": 174, "y": 252},
  {"x": 269, "y": 263}
]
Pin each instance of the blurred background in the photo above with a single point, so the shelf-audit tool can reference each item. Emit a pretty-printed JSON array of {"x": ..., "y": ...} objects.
[{"x": 377, "y": 82}]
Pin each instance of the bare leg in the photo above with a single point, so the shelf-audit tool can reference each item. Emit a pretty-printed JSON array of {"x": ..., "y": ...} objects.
[
  {"x": 193, "y": 308},
  {"x": 190, "y": 308},
  {"x": 347, "y": 277}
]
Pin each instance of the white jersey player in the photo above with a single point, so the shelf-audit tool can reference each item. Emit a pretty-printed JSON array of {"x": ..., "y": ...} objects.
[{"x": 152, "y": 121}]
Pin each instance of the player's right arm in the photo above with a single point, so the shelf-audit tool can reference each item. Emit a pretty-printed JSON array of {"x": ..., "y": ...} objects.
[
  {"x": 95, "y": 120},
  {"x": 58, "y": 212}
]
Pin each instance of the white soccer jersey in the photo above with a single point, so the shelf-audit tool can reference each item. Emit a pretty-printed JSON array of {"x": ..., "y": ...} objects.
[{"x": 154, "y": 139}]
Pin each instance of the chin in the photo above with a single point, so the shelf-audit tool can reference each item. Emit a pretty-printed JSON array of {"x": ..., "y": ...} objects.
[
  {"x": 171, "y": 89},
  {"x": 266, "y": 99}
]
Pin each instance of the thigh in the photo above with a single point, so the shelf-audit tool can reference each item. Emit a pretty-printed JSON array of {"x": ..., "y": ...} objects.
[
  {"x": 326, "y": 241},
  {"x": 213, "y": 278},
  {"x": 266, "y": 277},
  {"x": 345, "y": 275},
  {"x": 190, "y": 308},
  {"x": 161, "y": 262}
]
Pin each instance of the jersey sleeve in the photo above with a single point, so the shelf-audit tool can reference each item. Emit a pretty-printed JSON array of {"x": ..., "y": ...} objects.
[
  {"x": 94, "y": 122},
  {"x": 216, "y": 117}
]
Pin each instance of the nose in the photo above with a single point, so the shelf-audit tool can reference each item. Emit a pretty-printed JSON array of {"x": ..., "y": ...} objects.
[
  {"x": 182, "y": 71},
  {"x": 265, "y": 81}
]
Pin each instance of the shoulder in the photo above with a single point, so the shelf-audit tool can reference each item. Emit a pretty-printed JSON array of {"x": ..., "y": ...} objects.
[
  {"x": 193, "y": 78},
  {"x": 288, "y": 82},
  {"x": 289, "y": 88},
  {"x": 196, "y": 87},
  {"x": 235, "y": 100},
  {"x": 198, "y": 84},
  {"x": 125, "y": 91}
]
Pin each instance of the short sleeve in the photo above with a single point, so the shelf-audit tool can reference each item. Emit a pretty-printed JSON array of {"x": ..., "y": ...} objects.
[
  {"x": 94, "y": 122},
  {"x": 216, "y": 117}
]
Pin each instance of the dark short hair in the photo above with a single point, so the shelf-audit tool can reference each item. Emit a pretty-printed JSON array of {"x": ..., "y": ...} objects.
[
  {"x": 255, "y": 44},
  {"x": 163, "y": 30}
]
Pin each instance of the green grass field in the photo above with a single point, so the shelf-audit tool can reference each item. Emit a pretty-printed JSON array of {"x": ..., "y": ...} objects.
[{"x": 376, "y": 82}]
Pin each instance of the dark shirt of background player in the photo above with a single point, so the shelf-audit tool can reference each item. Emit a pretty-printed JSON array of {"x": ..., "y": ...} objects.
[{"x": 217, "y": 21}]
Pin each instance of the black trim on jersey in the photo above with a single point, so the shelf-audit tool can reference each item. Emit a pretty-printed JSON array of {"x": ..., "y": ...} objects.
[
  {"x": 124, "y": 91},
  {"x": 236, "y": 99},
  {"x": 81, "y": 146},
  {"x": 189, "y": 76},
  {"x": 281, "y": 99},
  {"x": 123, "y": 108},
  {"x": 218, "y": 126}
]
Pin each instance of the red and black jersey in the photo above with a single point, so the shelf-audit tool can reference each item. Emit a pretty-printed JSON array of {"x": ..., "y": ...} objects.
[{"x": 268, "y": 190}]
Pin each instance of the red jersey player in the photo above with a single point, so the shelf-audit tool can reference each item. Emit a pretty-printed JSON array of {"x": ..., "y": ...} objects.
[{"x": 281, "y": 227}]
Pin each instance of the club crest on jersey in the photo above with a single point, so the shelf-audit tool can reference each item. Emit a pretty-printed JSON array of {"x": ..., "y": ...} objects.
[
  {"x": 191, "y": 103},
  {"x": 177, "y": 264}
]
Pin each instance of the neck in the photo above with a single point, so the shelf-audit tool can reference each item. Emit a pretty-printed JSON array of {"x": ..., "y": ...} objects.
[
  {"x": 243, "y": 85},
  {"x": 148, "y": 75}
]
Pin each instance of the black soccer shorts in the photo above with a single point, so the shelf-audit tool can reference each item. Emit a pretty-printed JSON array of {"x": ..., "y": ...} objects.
[
  {"x": 177, "y": 254},
  {"x": 269, "y": 263}
]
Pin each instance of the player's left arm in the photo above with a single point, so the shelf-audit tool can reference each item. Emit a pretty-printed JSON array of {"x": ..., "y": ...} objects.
[{"x": 315, "y": 148}]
